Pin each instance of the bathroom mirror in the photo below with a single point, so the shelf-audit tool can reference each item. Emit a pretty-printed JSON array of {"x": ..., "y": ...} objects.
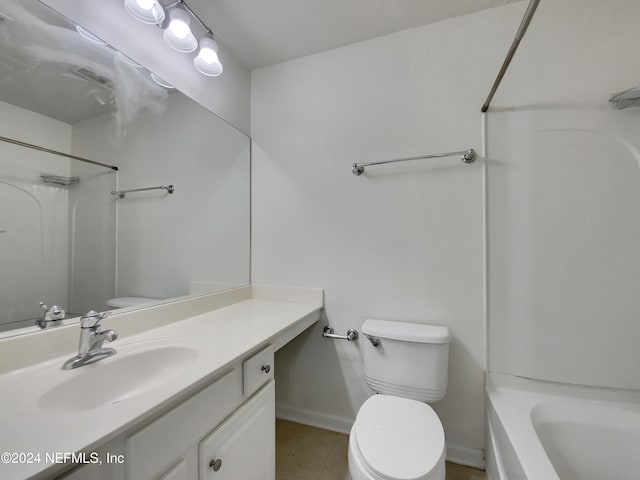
[{"x": 65, "y": 238}]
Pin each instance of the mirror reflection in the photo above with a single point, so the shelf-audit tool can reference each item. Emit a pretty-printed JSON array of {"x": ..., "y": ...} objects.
[{"x": 67, "y": 239}]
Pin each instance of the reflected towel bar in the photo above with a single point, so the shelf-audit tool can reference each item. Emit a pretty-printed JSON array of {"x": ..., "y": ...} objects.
[
  {"x": 55, "y": 152},
  {"x": 123, "y": 193},
  {"x": 467, "y": 156}
]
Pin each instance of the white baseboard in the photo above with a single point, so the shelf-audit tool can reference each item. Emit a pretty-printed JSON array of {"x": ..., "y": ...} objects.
[
  {"x": 314, "y": 419},
  {"x": 470, "y": 457}
]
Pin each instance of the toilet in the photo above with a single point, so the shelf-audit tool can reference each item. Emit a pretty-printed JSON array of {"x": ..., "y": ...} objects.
[
  {"x": 396, "y": 434},
  {"x": 123, "y": 302}
]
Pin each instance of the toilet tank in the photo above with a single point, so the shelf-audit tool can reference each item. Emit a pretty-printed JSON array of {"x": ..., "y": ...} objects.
[{"x": 410, "y": 361}]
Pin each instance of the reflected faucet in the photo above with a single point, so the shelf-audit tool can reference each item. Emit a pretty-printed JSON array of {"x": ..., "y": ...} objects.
[
  {"x": 91, "y": 339},
  {"x": 51, "y": 317}
]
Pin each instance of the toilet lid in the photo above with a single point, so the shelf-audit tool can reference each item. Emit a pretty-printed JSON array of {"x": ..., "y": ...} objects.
[{"x": 400, "y": 439}]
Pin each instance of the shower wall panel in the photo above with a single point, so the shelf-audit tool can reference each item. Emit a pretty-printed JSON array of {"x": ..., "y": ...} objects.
[{"x": 564, "y": 232}]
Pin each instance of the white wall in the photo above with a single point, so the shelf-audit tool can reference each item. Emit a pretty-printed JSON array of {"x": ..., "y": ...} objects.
[
  {"x": 93, "y": 230},
  {"x": 27, "y": 126},
  {"x": 227, "y": 95},
  {"x": 199, "y": 233},
  {"x": 400, "y": 242},
  {"x": 563, "y": 199}
]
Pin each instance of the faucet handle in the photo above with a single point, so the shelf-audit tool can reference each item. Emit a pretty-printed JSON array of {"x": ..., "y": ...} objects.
[{"x": 92, "y": 319}]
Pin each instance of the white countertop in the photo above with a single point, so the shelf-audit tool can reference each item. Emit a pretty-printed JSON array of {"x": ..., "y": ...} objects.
[{"x": 221, "y": 337}]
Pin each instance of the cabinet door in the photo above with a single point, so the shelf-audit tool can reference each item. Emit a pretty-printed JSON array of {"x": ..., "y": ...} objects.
[
  {"x": 177, "y": 472},
  {"x": 154, "y": 450},
  {"x": 243, "y": 447}
]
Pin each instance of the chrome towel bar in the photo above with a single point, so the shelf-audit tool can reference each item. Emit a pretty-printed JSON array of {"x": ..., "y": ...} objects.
[
  {"x": 351, "y": 335},
  {"x": 123, "y": 193},
  {"x": 467, "y": 156}
]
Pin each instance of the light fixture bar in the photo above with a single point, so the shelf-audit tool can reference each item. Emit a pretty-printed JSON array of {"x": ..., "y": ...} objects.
[
  {"x": 194, "y": 15},
  {"x": 174, "y": 18}
]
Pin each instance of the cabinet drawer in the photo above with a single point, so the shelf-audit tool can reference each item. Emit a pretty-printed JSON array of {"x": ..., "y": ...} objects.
[
  {"x": 155, "y": 448},
  {"x": 257, "y": 370}
]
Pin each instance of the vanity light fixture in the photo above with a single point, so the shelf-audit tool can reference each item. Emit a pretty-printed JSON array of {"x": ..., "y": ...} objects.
[
  {"x": 145, "y": 11},
  {"x": 207, "y": 61},
  {"x": 90, "y": 36},
  {"x": 5, "y": 18},
  {"x": 175, "y": 18},
  {"x": 178, "y": 34},
  {"x": 163, "y": 83},
  {"x": 128, "y": 60}
]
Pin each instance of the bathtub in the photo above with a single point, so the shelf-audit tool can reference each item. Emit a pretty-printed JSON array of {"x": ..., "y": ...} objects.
[{"x": 548, "y": 431}]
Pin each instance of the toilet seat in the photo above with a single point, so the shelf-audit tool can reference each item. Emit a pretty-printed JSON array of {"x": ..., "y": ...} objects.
[{"x": 397, "y": 438}]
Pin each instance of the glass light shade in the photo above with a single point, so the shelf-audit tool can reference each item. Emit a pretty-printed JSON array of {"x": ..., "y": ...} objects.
[
  {"x": 128, "y": 60},
  {"x": 90, "y": 36},
  {"x": 161, "y": 82},
  {"x": 207, "y": 61},
  {"x": 178, "y": 34},
  {"x": 145, "y": 11}
]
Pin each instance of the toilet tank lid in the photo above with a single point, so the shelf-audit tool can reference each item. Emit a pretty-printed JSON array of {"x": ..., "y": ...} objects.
[{"x": 405, "y": 331}]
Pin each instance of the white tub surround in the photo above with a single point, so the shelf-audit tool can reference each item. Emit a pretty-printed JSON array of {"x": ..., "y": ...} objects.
[
  {"x": 544, "y": 430},
  {"x": 208, "y": 336}
]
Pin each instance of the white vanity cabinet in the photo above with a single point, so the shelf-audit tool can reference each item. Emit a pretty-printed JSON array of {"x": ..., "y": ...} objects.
[{"x": 226, "y": 431}]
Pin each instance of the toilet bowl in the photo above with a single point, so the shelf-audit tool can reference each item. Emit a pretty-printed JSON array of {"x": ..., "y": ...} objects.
[
  {"x": 396, "y": 435},
  {"x": 396, "y": 438},
  {"x": 122, "y": 302}
]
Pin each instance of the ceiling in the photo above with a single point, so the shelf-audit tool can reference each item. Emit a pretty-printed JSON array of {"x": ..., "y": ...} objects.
[
  {"x": 40, "y": 51},
  {"x": 261, "y": 32}
]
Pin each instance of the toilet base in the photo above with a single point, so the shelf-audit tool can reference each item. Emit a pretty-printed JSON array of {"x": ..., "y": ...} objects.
[{"x": 360, "y": 471}]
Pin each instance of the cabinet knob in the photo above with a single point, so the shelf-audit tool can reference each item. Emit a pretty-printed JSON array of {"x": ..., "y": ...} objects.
[
  {"x": 266, "y": 368},
  {"x": 215, "y": 464}
]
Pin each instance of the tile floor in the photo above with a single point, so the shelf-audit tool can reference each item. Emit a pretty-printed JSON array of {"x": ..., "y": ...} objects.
[{"x": 309, "y": 453}]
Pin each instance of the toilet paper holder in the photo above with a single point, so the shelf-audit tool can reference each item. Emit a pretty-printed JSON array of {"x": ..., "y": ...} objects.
[{"x": 351, "y": 335}]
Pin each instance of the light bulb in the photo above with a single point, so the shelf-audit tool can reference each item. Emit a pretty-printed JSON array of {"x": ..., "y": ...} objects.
[
  {"x": 207, "y": 61},
  {"x": 146, "y": 4},
  {"x": 179, "y": 28},
  {"x": 209, "y": 56},
  {"x": 178, "y": 34},
  {"x": 145, "y": 11}
]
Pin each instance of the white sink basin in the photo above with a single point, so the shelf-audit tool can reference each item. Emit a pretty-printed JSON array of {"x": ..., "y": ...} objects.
[{"x": 110, "y": 381}]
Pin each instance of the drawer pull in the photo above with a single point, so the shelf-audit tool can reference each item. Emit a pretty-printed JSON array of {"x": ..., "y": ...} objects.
[
  {"x": 266, "y": 368},
  {"x": 215, "y": 464}
]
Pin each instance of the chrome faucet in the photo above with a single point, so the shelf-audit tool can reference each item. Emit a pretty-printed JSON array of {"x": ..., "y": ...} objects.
[
  {"x": 52, "y": 317},
  {"x": 91, "y": 338}
]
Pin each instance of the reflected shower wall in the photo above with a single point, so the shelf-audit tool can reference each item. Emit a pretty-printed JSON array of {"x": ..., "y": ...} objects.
[
  {"x": 57, "y": 241},
  {"x": 93, "y": 238}
]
